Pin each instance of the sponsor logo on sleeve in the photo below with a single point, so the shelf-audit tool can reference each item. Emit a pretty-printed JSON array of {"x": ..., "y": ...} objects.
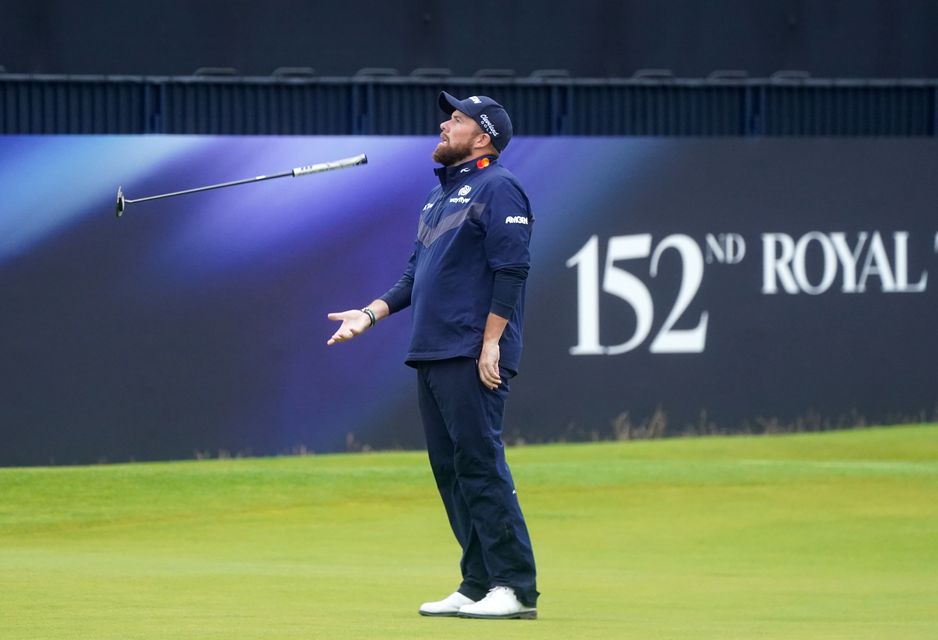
[{"x": 516, "y": 220}]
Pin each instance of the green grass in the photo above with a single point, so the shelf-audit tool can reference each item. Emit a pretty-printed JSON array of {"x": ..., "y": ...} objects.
[{"x": 831, "y": 535}]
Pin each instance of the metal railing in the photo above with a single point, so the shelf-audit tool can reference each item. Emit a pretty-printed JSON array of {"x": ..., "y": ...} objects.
[{"x": 725, "y": 104}]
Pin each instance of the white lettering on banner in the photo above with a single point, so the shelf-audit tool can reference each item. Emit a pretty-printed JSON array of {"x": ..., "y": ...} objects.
[
  {"x": 849, "y": 258},
  {"x": 670, "y": 340},
  {"x": 624, "y": 285},
  {"x": 777, "y": 267},
  {"x": 901, "y": 241},
  {"x": 810, "y": 265},
  {"x": 830, "y": 263},
  {"x": 785, "y": 262},
  {"x": 627, "y": 287},
  {"x": 587, "y": 298},
  {"x": 725, "y": 248},
  {"x": 877, "y": 262}
]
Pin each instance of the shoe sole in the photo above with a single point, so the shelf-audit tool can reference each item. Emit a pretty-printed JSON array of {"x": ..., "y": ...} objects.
[
  {"x": 442, "y": 614},
  {"x": 521, "y": 615}
]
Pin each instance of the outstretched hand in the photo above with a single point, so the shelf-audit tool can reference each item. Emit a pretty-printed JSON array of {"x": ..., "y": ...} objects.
[{"x": 354, "y": 322}]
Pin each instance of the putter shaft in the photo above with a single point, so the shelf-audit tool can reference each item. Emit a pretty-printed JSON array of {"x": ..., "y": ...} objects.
[
  {"x": 123, "y": 201},
  {"x": 208, "y": 188}
]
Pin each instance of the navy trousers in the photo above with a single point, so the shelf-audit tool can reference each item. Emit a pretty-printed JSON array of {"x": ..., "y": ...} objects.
[{"x": 463, "y": 424}]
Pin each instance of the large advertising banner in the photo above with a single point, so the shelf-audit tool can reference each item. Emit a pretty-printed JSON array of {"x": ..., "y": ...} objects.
[{"x": 678, "y": 286}]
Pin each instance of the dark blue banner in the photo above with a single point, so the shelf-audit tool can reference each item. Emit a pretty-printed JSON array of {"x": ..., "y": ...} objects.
[{"x": 678, "y": 286}]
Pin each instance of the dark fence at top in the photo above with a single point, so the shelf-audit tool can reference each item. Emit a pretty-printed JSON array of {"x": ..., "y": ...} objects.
[{"x": 376, "y": 103}]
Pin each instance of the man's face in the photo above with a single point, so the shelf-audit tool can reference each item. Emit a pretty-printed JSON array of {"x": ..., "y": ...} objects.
[{"x": 458, "y": 138}]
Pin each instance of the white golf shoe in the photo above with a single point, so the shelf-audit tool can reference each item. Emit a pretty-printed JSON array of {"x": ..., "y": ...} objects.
[
  {"x": 448, "y": 606},
  {"x": 500, "y": 603}
]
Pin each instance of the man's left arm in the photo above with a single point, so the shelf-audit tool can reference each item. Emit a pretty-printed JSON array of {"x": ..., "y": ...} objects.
[{"x": 508, "y": 234}]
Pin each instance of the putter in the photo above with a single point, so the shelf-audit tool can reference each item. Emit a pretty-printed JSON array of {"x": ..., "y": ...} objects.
[{"x": 123, "y": 201}]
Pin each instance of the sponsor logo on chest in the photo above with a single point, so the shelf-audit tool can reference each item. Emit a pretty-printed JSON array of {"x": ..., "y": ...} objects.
[{"x": 461, "y": 196}]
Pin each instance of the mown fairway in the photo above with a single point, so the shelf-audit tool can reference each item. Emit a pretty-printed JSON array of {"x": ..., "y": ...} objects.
[{"x": 829, "y": 536}]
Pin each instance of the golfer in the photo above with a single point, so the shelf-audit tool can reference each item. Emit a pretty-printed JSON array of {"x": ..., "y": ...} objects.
[{"x": 465, "y": 284}]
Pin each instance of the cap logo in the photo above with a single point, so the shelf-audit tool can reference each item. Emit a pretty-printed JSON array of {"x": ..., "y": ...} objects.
[
  {"x": 488, "y": 126},
  {"x": 475, "y": 99}
]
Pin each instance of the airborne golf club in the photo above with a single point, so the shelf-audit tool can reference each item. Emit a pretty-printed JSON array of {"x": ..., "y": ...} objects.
[{"x": 123, "y": 201}]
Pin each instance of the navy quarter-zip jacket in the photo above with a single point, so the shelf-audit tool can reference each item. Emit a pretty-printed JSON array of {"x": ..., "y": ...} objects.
[{"x": 470, "y": 258}]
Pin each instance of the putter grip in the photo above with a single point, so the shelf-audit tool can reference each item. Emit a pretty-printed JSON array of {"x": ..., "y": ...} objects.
[{"x": 328, "y": 166}]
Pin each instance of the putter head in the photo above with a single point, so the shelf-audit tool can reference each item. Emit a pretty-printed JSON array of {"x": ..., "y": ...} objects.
[{"x": 120, "y": 202}]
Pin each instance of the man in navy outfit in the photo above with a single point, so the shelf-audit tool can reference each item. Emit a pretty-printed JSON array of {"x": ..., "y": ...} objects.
[{"x": 465, "y": 283}]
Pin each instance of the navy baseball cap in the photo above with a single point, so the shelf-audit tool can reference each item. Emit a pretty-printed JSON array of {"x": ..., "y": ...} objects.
[{"x": 488, "y": 114}]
